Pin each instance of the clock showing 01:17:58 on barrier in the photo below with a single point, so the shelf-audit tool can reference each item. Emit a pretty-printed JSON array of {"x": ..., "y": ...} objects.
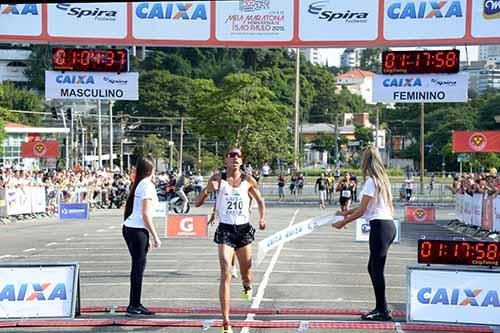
[{"x": 451, "y": 252}]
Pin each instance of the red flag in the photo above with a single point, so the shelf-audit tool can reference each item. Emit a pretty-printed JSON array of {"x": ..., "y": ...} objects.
[
  {"x": 40, "y": 149},
  {"x": 478, "y": 141}
]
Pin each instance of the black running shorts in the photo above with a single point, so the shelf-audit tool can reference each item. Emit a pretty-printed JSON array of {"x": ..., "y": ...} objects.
[{"x": 235, "y": 236}]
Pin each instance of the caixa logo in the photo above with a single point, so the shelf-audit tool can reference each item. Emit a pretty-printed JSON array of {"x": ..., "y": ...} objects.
[
  {"x": 424, "y": 10},
  {"x": 320, "y": 8},
  {"x": 33, "y": 292},
  {"x": 75, "y": 79},
  {"x": 459, "y": 297},
  {"x": 18, "y": 9},
  {"x": 403, "y": 82},
  {"x": 171, "y": 11},
  {"x": 79, "y": 12}
]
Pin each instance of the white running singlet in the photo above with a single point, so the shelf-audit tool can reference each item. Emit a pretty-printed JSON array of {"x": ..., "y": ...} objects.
[{"x": 233, "y": 203}]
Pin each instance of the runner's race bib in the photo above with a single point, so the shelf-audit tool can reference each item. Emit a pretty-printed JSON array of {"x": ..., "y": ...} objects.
[{"x": 346, "y": 194}]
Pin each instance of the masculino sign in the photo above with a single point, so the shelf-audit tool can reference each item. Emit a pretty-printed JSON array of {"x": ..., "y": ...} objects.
[
  {"x": 454, "y": 296},
  {"x": 428, "y": 88},
  {"x": 83, "y": 85},
  {"x": 70, "y": 211},
  {"x": 38, "y": 290}
]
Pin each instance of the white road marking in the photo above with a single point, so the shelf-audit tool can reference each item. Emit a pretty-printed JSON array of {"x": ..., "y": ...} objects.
[
  {"x": 277, "y": 285},
  {"x": 265, "y": 280},
  {"x": 30, "y": 250},
  {"x": 85, "y": 235},
  {"x": 69, "y": 239},
  {"x": 50, "y": 244},
  {"x": 5, "y": 256},
  {"x": 100, "y": 230},
  {"x": 112, "y": 227}
]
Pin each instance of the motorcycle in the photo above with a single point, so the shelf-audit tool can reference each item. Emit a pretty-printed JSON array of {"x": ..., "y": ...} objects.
[{"x": 175, "y": 203}]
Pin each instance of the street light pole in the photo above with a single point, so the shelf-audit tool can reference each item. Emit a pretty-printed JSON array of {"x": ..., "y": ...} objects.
[
  {"x": 297, "y": 110},
  {"x": 337, "y": 141},
  {"x": 171, "y": 144},
  {"x": 181, "y": 144}
]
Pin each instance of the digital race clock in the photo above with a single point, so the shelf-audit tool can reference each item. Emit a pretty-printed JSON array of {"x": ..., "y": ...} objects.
[
  {"x": 90, "y": 60},
  {"x": 449, "y": 252},
  {"x": 421, "y": 62}
]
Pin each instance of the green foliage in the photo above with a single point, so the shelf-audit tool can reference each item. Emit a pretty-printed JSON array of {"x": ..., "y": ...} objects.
[
  {"x": 13, "y": 98},
  {"x": 370, "y": 59},
  {"x": 363, "y": 134},
  {"x": 38, "y": 62},
  {"x": 152, "y": 146},
  {"x": 324, "y": 143},
  {"x": 2, "y": 132}
]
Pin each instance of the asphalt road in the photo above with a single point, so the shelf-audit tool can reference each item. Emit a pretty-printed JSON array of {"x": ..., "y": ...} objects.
[{"x": 325, "y": 269}]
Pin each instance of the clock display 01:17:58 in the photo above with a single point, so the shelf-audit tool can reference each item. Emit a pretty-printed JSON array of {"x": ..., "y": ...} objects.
[
  {"x": 421, "y": 62},
  {"x": 449, "y": 252}
]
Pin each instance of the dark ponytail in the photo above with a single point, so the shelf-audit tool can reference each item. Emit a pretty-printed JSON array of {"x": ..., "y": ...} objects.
[{"x": 143, "y": 169}]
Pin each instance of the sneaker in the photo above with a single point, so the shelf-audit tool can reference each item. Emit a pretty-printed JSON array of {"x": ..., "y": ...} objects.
[
  {"x": 377, "y": 315},
  {"x": 226, "y": 329},
  {"x": 140, "y": 310},
  {"x": 247, "y": 294},
  {"x": 234, "y": 272}
]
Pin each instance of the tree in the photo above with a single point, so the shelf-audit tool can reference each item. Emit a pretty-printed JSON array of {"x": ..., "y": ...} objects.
[
  {"x": 152, "y": 146},
  {"x": 242, "y": 113},
  {"x": 323, "y": 143},
  {"x": 363, "y": 134},
  {"x": 38, "y": 62},
  {"x": 370, "y": 59},
  {"x": 13, "y": 98}
]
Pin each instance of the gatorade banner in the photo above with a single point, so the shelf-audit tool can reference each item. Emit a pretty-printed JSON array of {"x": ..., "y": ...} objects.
[
  {"x": 474, "y": 142},
  {"x": 293, "y": 232},
  {"x": 425, "y": 215},
  {"x": 186, "y": 226},
  {"x": 40, "y": 149}
]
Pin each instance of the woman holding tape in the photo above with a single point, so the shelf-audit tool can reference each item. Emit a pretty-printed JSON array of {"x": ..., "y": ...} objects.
[
  {"x": 376, "y": 207},
  {"x": 136, "y": 229},
  {"x": 234, "y": 233}
]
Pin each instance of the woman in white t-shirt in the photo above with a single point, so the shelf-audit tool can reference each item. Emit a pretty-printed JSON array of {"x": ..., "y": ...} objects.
[
  {"x": 376, "y": 207},
  {"x": 137, "y": 226}
]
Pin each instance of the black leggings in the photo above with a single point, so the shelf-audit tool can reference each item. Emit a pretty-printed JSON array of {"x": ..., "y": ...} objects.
[
  {"x": 137, "y": 242},
  {"x": 382, "y": 234}
]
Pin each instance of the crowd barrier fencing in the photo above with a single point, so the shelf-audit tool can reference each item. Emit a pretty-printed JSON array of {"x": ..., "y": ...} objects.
[{"x": 479, "y": 210}]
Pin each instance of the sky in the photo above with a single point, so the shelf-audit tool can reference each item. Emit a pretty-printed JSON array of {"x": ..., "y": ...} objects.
[{"x": 333, "y": 55}]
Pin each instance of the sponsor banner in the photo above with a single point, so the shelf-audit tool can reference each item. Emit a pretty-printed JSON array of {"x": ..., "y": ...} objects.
[
  {"x": 363, "y": 231},
  {"x": 38, "y": 203},
  {"x": 40, "y": 149},
  {"x": 38, "y": 291},
  {"x": 338, "y": 20},
  {"x": 254, "y": 20},
  {"x": 21, "y": 19},
  {"x": 473, "y": 142},
  {"x": 161, "y": 209},
  {"x": 426, "y": 215},
  {"x": 292, "y": 232},
  {"x": 83, "y": 85},
  {"x": 454, "y": 296},
  {"x": 88, "y": 20},
  {"x": 486, "y": 18},
  {"x": 496, "y": 213},
  {"x": 459, "y": 207},
  {"x": 424, "y": 19},
  {"x": 73, "y": 211},
  {"x": 487, "y": 221},
  {"x": 477, "y": 209},
  {"x": 421, "y": 88},
  {"x": 172, "y": 20},
  {"x": 468, "y": 209},
  {"x": 18, "y": 201},
  {"x": 186, "y": 226}
]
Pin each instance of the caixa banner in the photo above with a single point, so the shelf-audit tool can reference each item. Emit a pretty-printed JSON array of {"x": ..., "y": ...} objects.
[
  {"x": 468, "y": 296},
  {"x": 476, "y": 142},
  {"x": 98, "y": 85},
  {"x": 420, "y": 215},
  {"x": 186, "y": 226},
  {"x": 38, "y": 290}
]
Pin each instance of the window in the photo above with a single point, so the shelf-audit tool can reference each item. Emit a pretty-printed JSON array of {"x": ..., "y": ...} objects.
[{"x": 16, "y": 64}]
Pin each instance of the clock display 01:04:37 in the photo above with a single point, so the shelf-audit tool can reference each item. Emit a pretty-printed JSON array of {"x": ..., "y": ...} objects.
[
  {"x": 458, "y": 252},
  {"x": 90, "y": 60}
]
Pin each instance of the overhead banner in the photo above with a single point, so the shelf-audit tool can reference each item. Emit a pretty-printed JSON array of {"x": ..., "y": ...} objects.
[
  {"x": 38, "y": 290},
  {"x": 454, "y": 296},
  {"x": 40, "y": 149},
  {"x": 86, "y": 85},
  {"x": 421, "y": 88},
  {"x": 476, "y": 141},
  {"x": 253, "y": 23}
]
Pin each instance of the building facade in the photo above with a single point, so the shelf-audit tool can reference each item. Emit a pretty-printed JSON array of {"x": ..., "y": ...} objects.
[
  {"x": 358, "y": 82},
  {"x": 13, "y": 64}
]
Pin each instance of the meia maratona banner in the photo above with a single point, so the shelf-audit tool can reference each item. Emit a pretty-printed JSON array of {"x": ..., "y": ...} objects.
[{"x": 476, "y": 142}]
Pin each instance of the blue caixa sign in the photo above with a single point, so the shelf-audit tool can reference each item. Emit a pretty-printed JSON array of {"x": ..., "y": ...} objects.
[{"x": 73, "y": 211}]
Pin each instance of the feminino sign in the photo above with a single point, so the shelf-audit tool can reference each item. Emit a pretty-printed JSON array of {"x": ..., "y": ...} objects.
[
  {"x": 416, "y": 88},
  {"x": 84, "y": 85}
]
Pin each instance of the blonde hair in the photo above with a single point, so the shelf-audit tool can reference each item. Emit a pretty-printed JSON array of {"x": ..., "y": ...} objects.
[{"x": 372, "y": 166}]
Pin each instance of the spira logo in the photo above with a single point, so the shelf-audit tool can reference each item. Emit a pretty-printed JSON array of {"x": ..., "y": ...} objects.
[
  {"x": 442, "y": 83},
  {"x": 113, "y": 81},
  {"x": 75, "y": 79},
  {"x": 15, "y": 9},
  {"x": 318, "y": 8},
  {"x": 96, "y": 13},
  {"x": 424, "y": 10}
]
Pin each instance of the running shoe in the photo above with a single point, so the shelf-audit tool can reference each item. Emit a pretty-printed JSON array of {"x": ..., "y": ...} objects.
[
  {"x": 377, "y": 315},
  {"x": 139, "y": 311},
  {"x": 234, "y": 272},
  {"x": 247, "y": 294},
  {"x": 226, "y": 329}
]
